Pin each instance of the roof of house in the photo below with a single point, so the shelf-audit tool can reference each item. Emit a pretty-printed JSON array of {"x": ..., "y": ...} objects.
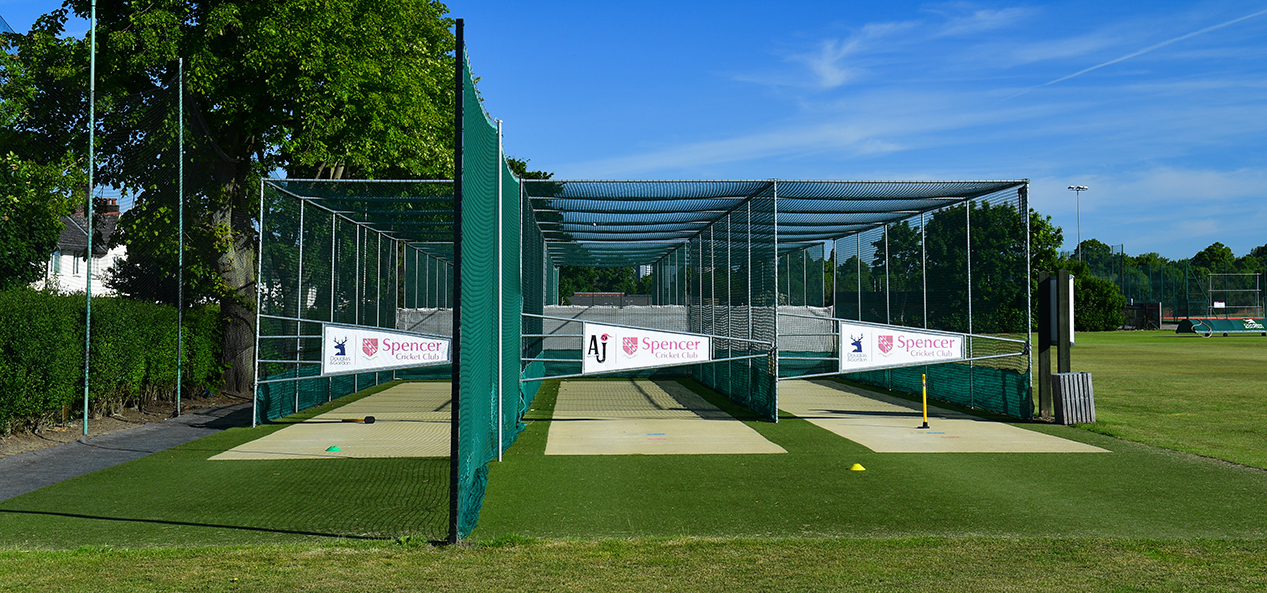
[{"x": 74, "y": 237}]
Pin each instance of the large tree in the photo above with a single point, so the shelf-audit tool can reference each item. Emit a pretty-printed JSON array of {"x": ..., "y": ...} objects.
[{"x": 318, "y": 88}]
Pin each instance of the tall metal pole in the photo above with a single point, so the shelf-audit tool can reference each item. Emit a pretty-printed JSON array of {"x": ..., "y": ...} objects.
[
  {"x": 180, "y": 228},
  {"x": 501, "y": 277},
  {"x": 455, "y": 352},
  {"x": 1077, "y": 190},
  {"x": 923, "y": 265},
  {"x": 259, "y": 307},
  {"x": 92, "y": 125}
]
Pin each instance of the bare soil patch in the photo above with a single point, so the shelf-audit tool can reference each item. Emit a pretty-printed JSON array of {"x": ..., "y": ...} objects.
[{"x": 73, "y": 430}]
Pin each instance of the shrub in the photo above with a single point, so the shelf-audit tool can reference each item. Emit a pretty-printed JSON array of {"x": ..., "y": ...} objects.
[
  {"x": 133, "y": 354},
  {"x": 1097, "y": 305}
]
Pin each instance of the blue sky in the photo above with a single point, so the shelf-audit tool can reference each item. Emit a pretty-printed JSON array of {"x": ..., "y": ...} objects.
[{"x": 1159, "y": 107}]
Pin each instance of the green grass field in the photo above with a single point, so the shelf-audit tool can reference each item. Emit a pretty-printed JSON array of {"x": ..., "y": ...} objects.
[
  {"x": 1201, "y": 395},
  {"x": 1141, "y": 518}
]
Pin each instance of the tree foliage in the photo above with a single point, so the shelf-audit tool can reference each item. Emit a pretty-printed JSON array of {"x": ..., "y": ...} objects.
[
  {"x": 319, "y": 88},
  {"x": 1097, "y": 305}
]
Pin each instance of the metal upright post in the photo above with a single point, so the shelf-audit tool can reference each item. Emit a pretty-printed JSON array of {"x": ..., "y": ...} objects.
[
  {"x": 501, "y": 321},
  {"x": 776, "y": 301},
  {"x": 356, "y": 276},
  {"x": 180, "y": 227},
  {"x": 858, "y": 280},
  {"x": 300, "y": 301},
  {"x": 888, "y": 315},
  {"x": 92, "y": 127},
  {"x": 923, "y": 265},
  {"x": 259, "y": 306},
  {"x": 378, "y": 285},
  {"x": 455, "y": 353},
  {"x": 972, "y": 394}
]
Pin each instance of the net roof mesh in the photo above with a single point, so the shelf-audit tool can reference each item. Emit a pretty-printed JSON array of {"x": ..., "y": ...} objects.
[{"x": 629, "y": 223}]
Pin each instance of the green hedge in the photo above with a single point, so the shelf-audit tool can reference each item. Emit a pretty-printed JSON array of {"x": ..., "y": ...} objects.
[{"x": 133, "y": 354}]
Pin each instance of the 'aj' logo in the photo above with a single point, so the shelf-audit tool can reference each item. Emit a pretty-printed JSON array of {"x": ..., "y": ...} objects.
[
  {"x": 369, "y": 346},
  {"x": 857, "y": 342},
  {"x": 599, "y": 353},
  {"x": 339, "y": 347},
  {"x": 886, "y": 344}
]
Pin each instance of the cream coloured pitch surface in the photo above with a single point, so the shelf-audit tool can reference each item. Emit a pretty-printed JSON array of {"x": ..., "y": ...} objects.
[
  {"x": 411, "y": 420},
  {"x": 645, "y": 417},
  {"x": 890, "y": 425}
]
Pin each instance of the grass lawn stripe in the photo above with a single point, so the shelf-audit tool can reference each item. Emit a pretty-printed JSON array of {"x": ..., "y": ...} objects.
[
  {"x": 797, "y": 565},
  {"x": 1136, "y": 491},
  {"x": 177, "y": 497}
]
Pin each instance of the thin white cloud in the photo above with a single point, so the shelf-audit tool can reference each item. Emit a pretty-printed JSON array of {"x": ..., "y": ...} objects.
[{"x": 1141, "y": 52}]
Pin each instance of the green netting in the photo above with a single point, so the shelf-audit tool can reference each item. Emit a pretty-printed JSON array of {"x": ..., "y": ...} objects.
[
  {"x": 727, "y": 277},
  {"x": 491, "y": 399},
  {"x": 961, "y": 268},
  {"x": 325, "y": 257}
]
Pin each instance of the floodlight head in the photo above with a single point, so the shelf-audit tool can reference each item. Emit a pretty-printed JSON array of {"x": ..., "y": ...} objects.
[{"x": 1078, "y": 188}]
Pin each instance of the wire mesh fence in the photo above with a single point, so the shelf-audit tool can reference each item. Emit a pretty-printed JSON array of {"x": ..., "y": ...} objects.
[
  {"x": 359, "y": 253},
  {"x": 962, "y": 268}
]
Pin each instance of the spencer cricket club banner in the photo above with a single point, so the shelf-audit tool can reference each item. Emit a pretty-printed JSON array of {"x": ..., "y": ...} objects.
[
  {"x": 864, "y": 347},
  {"x": 350, "y": 349},
  {"x": 610, "y": 348}
]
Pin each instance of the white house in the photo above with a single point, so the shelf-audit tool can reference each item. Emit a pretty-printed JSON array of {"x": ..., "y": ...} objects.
[{"x": 66, "y": 266}]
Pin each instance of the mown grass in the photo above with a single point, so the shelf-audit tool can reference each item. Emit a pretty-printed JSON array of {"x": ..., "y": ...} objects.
[
  {"x": 915, "y": 564},
  {"x": 1133, "y": 491},
  {"x": 1140, "y": 518},
  {"x": 1180, "y": 391},
  {"x": 180, "y": 498}
]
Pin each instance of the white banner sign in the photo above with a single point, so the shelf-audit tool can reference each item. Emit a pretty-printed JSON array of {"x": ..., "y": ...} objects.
[
  {"x": 349, "y": 349},
  {"x": 611, "y": 348},
  {"x": 864, "y": 347}
]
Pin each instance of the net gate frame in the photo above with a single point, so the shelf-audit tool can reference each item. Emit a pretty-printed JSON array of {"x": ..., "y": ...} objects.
[{"x": 273, "y": 291}]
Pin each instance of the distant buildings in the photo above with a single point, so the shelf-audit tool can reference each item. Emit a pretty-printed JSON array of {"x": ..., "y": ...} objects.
[{"x": 67, "y": 268}]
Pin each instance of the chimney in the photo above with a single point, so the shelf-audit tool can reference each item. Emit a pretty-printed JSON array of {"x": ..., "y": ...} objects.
[{"x": 112, "y": 208}]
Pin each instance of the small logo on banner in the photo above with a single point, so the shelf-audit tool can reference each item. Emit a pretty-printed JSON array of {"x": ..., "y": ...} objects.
[
  {"x": 857, "y": 342},
  {"x": 369, "y": 346},
  {"x": 1252, "y": 324},
  {"x": 340, "y": 347},
  {"x": 630, "y": 345},
  {"x": 597, "y": 350},
  {"x": 886, "y": 344}
]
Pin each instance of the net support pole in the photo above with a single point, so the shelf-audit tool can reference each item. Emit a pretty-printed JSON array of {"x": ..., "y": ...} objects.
[
  {"x": 1023, "y": 205},
  {"x": 455, "y": 354},
  {"x": 180, "y": 226},
  {"x": 972, "y": 393},
  {"x": 923, "y": 265},
  {"x": 775, "y": 345},
  {"x": 501, "y": 278},
  {"x": 92, "y": 121},
  {"x": 299, "y": 305},
  {"x": 259, "y": 306}
]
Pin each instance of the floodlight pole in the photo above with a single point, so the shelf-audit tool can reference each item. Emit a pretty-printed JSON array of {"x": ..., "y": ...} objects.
[{"x": 1078, "y": 189}]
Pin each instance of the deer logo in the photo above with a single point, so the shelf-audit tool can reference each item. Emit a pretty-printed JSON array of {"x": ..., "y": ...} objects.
[
  {"x": 339, "y": 347},
  {"x": 856, "y": 342}
]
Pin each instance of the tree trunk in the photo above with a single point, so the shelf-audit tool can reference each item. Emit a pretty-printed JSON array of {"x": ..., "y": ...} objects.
[{"x": 237, "y": 308}]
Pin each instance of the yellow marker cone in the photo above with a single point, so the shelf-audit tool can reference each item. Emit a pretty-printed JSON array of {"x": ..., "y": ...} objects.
[{"x": 857, "y": 467}]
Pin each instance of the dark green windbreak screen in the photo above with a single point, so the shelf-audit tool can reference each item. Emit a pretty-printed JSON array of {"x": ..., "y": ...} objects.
[{"x": 491, "y": 306}]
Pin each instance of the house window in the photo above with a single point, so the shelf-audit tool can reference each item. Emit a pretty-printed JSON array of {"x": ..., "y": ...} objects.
[
  {"x": 75, "y": 259},
  {"x": 56, "y": 264}
]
